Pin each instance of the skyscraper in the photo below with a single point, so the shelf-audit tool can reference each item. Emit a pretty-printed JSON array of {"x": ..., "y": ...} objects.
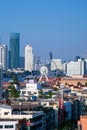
[
  {"x": 56, "y": 64},
  {"x": 0, "y": 80},
  {"x": 76, "y": 67},
  {"x": 14, "y": 50},
  {"x": 28, "y": 58},
  {"x": 50, "y": 56},
  {"x": 3, "y": 56}
]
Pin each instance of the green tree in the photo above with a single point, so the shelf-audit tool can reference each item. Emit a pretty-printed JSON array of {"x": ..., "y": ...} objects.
[
  {"x": 55, "y": 88},
  {"x": 12, "y": 91},
  {"x": 78, "y": 83},
  {"x": 85, "y": 83},
  {"x": 41, "y": 94},
  {"x": 50, "y": 94},
  {"x": 15, "y": 79}
]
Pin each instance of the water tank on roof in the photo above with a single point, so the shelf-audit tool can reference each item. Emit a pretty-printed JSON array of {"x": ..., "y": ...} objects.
[{"x": 33, "y": 98}]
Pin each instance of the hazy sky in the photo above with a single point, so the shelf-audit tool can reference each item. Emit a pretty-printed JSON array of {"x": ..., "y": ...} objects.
[{"x": 59, "y": 26}]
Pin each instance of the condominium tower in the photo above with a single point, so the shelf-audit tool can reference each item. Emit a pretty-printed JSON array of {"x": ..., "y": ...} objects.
[
  {"x": 3, "y": 56},
  {"x": 28, "y": 58},
  {"x": 76, "y": 68},
  {"x": 14, "y": 50},
  {"x": 0, "y": 80},
  {"x": 56, "y": 64}
]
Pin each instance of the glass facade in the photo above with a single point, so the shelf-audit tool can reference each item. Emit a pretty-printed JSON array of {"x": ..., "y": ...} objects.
[{"x": 14, "y": 50}]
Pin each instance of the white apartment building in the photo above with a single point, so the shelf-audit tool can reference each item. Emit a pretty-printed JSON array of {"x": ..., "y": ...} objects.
[
  {"x": 35, "y": 117},
  {"x": 56, "y": 64},
  {"x": 31, "y": 89},
  {"x": 28, "y": 58},
  {"x": 76, "y": 67},
  {"x": 3, "y": 56},
  {"x": 8, "y": 124},
  {"x": 0, "y": 80},
  {"x": 64, "y": 65}
]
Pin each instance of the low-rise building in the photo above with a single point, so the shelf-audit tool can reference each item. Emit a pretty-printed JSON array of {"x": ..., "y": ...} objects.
[
  {"x": 82, "y": 123},
  {"x": 8, "y": 124},
  {"x": 18, "y": 112}
]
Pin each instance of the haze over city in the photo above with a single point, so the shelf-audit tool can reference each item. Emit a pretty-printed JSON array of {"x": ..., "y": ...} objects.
[{"x": 59, "y": 26}]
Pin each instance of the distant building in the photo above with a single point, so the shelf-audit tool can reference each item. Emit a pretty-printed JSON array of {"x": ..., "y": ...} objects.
[
  {"x": 56, "y": 64},
  {"x": 0, "y": 80},
  {"x": 28, "y": 58},
  {"x": 76, "y": 68},
  {"x": 50, "y": 56},
  {"x": 3, "y": 56},
  {"x": 14, "y": 50},
  {"x": 77, "y": 58},
  {"x": 64, "y": 67},
  {"x": 22, "y": 60}
]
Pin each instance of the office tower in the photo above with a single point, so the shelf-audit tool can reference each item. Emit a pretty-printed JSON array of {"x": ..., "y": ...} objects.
[
  {"x": 9, "y": 59},
  {"x": 56, "y": 64},
  {"x": 76, "y": 68},
  {"x": 28, "y": 58},
  {"x": 14, "y": 50},
  {"x": 0, "y": 80},
  {"x": 50, "y": 56},
  {"x": 3, "y": 56},
  {"x": 22, "y": 60},
  {"x": 64, "y": 67},
  {"x": 77, "y": 58}
]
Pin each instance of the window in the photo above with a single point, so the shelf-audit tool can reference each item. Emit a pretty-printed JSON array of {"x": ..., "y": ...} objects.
[
  {"x": 23, "y": 92},
  {"x": 6, "y": 113},
  {"x": 1, "y": 126},
  {"x": 8, "y": 126}
]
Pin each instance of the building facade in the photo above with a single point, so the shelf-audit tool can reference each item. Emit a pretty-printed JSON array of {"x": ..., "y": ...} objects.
[
  {"x": 19, "y": 112},
  {"x": 82, "y": 123},
  {"x": 0, "y": 81},
  {"x": 76, "y": 68},
  {"x": 56, "y": 64},
  {"x": 14, "y": 50},
  {"x": 28, "y": 58},
  {"x": 3, "y": 56},
  {"x": 8, "y": 124}
]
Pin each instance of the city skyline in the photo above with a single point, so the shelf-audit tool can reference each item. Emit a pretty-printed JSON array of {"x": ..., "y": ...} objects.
[{"x": 49, "y": 26}]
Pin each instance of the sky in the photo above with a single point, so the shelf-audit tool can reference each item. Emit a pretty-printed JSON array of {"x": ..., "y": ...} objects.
[{"x": 57, "y": 26}]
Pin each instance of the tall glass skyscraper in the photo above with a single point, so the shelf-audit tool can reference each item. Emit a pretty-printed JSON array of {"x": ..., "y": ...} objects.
[{"x": 14, "y": 50}]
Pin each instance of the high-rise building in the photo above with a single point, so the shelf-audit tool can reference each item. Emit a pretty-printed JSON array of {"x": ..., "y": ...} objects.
[
  {"x": 14, "y": 50},
  {"x": 22, "y": 60},
  {"x": 3, "y": 56},
  {"x": 0, "y": 80},
  {"x": 28, "y": 58},
  {"x": 50, "y": 56},
  {"x": 56, "y": 64},
  {"x": 77, "y": 57},
  {"x": 76, "y": 68}
]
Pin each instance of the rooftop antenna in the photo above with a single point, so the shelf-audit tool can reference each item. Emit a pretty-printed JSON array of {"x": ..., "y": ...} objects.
[{"x": 84, "y": 55}]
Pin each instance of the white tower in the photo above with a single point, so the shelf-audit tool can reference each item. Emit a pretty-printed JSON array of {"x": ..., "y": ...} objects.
[
  {"x": 3, "y": 56},
  {"x": 0, "y": 80},
  {"x": 28, "y": 58}
]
